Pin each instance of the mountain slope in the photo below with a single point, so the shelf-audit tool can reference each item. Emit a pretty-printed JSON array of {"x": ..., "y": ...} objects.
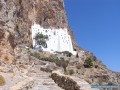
[{"x": 16, "y": 18}]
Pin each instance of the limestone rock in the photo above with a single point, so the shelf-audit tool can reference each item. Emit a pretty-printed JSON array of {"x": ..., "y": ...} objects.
[
  {"x": 17, "y": 16},
  {"x": 70, "y": 82}
]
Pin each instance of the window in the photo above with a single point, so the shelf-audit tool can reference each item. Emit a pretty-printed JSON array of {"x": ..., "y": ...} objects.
[
  {"x": 46, "y": 31},
  {"x": 54, "y": 33}
]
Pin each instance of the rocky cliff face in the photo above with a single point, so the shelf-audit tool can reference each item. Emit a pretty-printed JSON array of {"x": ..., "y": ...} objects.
[{"x": 17, "y": 16}]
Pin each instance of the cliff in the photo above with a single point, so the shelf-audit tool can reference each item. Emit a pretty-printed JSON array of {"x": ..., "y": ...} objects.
[{"x": 16, "y": 18}]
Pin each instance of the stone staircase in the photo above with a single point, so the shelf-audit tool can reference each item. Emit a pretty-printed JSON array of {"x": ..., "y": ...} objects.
[{"x": 44, "y": 82}]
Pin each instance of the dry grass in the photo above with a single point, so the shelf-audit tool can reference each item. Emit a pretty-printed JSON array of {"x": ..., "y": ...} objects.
[{"x": 2, "y": 80}]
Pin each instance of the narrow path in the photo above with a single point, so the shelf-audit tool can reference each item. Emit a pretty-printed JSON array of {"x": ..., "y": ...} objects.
[{"x": 44, "y": 82}]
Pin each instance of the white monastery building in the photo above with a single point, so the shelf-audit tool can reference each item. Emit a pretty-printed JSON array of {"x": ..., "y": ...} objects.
[{"x": 58, "y": 39}]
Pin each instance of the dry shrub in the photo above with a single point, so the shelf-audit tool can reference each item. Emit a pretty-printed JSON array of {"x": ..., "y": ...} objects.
[{"x": 2, "y": 80}]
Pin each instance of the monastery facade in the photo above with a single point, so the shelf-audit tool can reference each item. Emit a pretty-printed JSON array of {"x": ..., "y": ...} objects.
[{"x": 58, "y": 39}]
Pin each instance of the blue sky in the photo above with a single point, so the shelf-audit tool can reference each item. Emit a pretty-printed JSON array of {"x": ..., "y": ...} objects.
[{"x": 96, "y": 25}]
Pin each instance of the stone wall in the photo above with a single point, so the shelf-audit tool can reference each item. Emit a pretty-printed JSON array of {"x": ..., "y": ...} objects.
[{"x": 65, "y": 82}]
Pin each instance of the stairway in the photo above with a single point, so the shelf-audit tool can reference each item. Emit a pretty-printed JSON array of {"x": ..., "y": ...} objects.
[{"x": 44, "y": 82}]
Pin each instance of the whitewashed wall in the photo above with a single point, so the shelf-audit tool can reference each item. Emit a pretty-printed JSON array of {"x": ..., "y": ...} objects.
[{"x": 59, "y": 39}]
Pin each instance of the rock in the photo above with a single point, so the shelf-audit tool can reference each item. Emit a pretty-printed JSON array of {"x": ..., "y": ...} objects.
[
  {"x": 49, "y": 67},
  {"x": 70, "y": 82},
  {"x": 64, "y": 81},
  {"x": 21, "y": 55},
  {"x": 23, "y": 85},
  {"x": 17, "y": 16}
]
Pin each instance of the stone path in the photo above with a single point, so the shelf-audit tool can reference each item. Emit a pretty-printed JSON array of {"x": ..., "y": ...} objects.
[
  {"x": 35, "y": 79},
  {"x": 44, "y": 82}
]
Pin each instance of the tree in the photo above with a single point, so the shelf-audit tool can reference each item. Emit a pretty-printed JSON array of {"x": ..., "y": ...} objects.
[
  {"x": 62, "y": 63},
  {"x": 88, "y": 62},
  {"x": 41, "y": 39}
]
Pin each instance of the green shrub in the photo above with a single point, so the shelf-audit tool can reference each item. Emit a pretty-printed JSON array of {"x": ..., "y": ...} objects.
[
  {"x": 59, "y": 62},
  {"x": 50, "y": 59},
  {"x": 69, "y": 72},
  {"x": 35, "y": 54},
  {"x": 66, "y": 72},
  {"x": 61, "y": 58},
  {"x": 88, "y": 62}
]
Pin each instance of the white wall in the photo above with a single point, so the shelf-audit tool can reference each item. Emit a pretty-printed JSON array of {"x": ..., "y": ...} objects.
[{"x": 59, "y": 39}]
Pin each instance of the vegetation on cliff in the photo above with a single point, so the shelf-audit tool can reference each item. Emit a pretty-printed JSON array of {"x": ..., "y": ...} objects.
[{"x": 40, "y": 40}]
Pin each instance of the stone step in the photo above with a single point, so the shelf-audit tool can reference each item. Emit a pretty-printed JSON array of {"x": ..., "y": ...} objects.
[
  {"x": 46, "y": 87},
  {"x": 44, "y": 82}
]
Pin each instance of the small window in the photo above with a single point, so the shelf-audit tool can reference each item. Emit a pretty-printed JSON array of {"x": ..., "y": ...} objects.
[
  {"x": 54, "y": 33},
  {"x": 46, "y": 31}
]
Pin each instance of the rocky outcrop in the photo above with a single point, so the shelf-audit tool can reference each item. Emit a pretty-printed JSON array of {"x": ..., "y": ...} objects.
[
  {"x": 69, "y": 82},
  {"x": 7, "y": 46},
  {"x": 65, "y": 82}
]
